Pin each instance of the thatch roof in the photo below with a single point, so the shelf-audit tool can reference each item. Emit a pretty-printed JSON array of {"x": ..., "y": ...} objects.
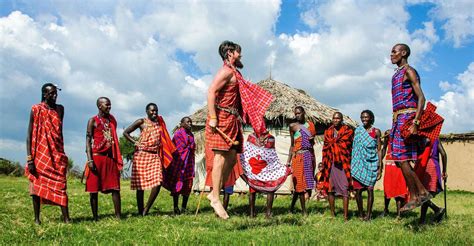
[
  {"x": 463, "y": 137},
  {"x": 286, "y": 99}
]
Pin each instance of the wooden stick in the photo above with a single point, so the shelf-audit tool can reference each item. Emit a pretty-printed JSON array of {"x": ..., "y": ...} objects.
[
  {"x": 200, "y": 197},
  {"x": 445, "y": 204},
  {"x": 232, "y": 142}
]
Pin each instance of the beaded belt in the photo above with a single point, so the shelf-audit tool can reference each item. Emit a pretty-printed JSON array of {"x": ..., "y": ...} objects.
[
  {"x": 228, "y": 110},
  {"x": 301, "y": 151},
  {"x": 403, "y": 111}
]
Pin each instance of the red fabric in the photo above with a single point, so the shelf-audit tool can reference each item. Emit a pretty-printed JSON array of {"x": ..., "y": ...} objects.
[
  {"x": 107, "y": 177},
  {"x": 422, "y": 160},
  {"x": 336, "y": 150},
  {"x": 430, "y": 124},
  {"x": 430, "y": 178},
  {"x": 47, "y": 149},
  {"x": 394, "y": 184},
  {"x": 167, "y": 146},
  {"x": 257, "y": 164},
  {"x": 227, "y": 97},
  {"x": 101, "y": 144},
  {"x": 234, "y": 174},
  {"x": 359, "y": 186},
  {"x": 255, "y": 101},
  {"x": 147, "y": 164}
]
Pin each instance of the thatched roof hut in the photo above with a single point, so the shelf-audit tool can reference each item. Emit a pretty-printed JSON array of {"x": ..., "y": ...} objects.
[
  {"x": 281, "y": 109},
  {"x": 277, "y": 117}
]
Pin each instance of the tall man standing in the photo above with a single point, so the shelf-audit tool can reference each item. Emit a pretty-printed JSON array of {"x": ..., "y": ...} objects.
[
  {"x": 230, "y": 99},
  {"x": 104, "y": 159},
  {"x": 408, "y": 103},
  {"x": 46, "y": 161}
]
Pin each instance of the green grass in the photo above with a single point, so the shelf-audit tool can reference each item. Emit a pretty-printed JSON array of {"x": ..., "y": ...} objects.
[{"x": 161, "y": 227}]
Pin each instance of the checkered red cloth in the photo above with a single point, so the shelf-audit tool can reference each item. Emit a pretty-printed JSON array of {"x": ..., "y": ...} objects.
[
  {"x": 337, "y": 148},
  {"x": 47, "y": 149},
  {"x": 227, "y": 97},
  {"x": 255, "y": 101},
  {"x": 430, "y": 124},
  {"x": 147, "y": 165}
]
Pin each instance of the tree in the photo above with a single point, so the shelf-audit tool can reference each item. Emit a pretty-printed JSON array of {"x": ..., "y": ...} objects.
[
  {"x": 8, "y": 167},
  {"x": 127, "y": 149}
]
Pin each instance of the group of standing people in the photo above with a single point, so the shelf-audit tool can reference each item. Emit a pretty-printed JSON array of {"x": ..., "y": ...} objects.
[
  {"x": 158, "y": 160},
  {"x": 352, "y": 160}
]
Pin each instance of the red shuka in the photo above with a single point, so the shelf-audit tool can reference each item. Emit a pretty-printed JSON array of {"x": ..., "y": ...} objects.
[
  {"x": 47, "y": 149},
  {"x": 336, "y": 150}
]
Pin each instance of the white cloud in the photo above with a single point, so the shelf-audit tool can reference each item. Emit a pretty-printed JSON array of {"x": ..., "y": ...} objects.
[
  {"x": 126, "y": 52},
  {"x": 457, "y": 104},
  {"x": 344, "y": 60},
  {"x": 458, "y": 18}
]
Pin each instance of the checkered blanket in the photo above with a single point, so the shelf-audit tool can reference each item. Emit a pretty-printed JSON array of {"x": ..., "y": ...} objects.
[
  {"x": 364, "y": 162},
  {"x": 47, "y": 149}
]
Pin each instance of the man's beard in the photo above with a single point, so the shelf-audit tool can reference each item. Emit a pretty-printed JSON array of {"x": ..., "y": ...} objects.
[{"x": 238, "y": 64}]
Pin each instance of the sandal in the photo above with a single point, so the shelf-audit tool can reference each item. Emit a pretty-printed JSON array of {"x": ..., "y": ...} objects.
[
  {"x": 426, "y": 198},
  {"x": 439, "y": 215},
  {"x": 410, "y": 205}
]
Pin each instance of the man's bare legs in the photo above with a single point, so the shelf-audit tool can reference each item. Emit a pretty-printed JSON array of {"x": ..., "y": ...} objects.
[
  {"x": 36, "y": 208},
  {"x": 151, "y": 199},
  {"x": 223, "y": 163}
]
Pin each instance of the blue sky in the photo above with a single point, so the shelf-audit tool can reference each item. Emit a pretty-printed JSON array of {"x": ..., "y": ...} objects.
[{"x": 165, "y": 51}]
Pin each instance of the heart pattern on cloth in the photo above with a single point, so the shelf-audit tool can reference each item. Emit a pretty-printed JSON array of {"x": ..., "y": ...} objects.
[{"x": 257, "y": 164}]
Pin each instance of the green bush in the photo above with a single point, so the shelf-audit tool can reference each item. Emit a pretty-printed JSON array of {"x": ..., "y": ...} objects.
[{"x": 8, "y": 167}]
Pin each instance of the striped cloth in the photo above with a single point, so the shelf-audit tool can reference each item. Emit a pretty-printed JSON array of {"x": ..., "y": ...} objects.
[
  {"x": 47, "y": 149},
  {"x": 403, "y": 97},
  {"x": 167, "y": 147},
  {"x": 364, "y": 160},
  {"x": 181, "y": 171},
  {"x": 147, "y": 165},
  {"x": 302, "y": 162},
  {"x": 336, "y": 149}
]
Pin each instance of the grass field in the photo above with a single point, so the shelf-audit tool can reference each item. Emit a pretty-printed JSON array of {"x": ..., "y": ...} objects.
[{"x": 161, "y": 227}]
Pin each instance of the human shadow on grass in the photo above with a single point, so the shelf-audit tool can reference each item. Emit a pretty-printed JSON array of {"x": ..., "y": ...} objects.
[
  {"x": 415, "y": 226},
  {"x": 81, "y": 219}
]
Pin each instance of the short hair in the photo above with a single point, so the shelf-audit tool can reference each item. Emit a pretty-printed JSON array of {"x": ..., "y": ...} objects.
[
  {"x": 228, "y": 46},
  {"x": 100, "y": 98},
  {"x": 43, "y": 89},
  {"x": 185, "y": 117},
  {"x": 151, "y": 104},
  {"x": 406, "y": 48},
  {"x": 339, "y": 113},
  {"x": 371, "y": 115},
  {"x": 300, "y": 108}
]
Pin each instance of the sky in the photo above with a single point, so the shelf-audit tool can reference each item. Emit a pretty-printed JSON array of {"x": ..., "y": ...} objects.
[{"x": 141, "y": 51}]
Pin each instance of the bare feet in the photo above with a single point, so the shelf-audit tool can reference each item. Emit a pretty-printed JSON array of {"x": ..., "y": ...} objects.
[{"x": 217, "y": 206}]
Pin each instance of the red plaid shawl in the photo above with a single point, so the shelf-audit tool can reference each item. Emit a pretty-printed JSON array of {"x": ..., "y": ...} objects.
[
  {"x": 47, "y": 149},
  {"x": 255, "y": 101},
  {"x": 430, "y": 124},
  {"x": 336, "y": 150}
]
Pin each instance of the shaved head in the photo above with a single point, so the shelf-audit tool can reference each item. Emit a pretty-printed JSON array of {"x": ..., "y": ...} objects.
[{"x": 100, "y": 99}]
